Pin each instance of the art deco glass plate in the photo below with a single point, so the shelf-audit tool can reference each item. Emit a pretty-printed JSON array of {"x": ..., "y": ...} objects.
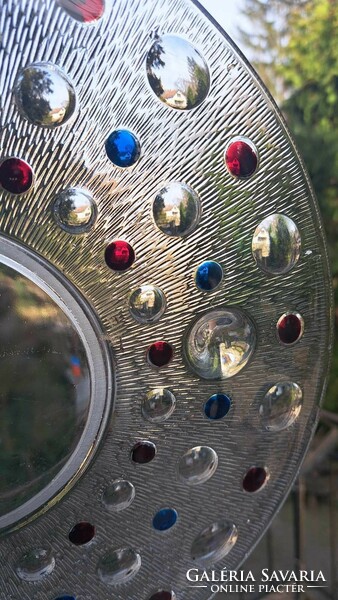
[{"x": 165, "y": 301}]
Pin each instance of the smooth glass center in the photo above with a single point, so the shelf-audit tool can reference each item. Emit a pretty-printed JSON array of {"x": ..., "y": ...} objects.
[{"x": 45, "y": 389}]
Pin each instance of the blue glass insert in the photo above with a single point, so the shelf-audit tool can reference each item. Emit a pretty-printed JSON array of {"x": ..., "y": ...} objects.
[{"x": 123, "y": 148}]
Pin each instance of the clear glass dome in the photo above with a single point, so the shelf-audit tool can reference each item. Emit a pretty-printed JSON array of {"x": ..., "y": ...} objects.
[{"x": 220, "y": 343}]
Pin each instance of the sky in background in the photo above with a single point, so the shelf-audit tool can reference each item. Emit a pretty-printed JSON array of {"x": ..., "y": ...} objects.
[{"x": 226, "y": 12}]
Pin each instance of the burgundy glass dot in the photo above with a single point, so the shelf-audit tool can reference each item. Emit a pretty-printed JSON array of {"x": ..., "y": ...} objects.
[
  {"x": 241, "y": 158},
  {"x": 16, "y": 176},
  {"x": 82, "y": 533},
  {"x": 143, "y": 452},
  {"x": 119, "y": 255},
  {"x": 160, "y": 354},
  {"x": 290, "y": 328},
  {"x": 83, "y": 10},
  {"x": 255, "y": 478},
  {"x": 162, "y": 596}
]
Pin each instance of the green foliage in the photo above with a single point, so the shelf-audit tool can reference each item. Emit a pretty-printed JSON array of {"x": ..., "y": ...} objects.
[{"x": 299, "y": 40}]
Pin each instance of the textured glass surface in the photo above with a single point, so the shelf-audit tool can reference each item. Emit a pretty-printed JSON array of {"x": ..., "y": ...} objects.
[
  {"x": 220, "y": 344},
  {"x": 107, "y": 61},
  {"x": 45, "y": 95},
  {"x": 45, "y": 389}
]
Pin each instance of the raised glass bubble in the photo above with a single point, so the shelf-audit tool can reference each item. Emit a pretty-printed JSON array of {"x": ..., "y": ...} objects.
[
  {"x": 119, "y": 566},
  {"x": 276, "y": 244},
  {"x": 158, "y": 405},
  {"x": 176, "y": 209},
  {"x": 281, "y": 406},
  {"x": 45, "y": 95},
  {"x": 214, "y": 543},
  {"x": 35, "y": 564},
  {"x": 197, "y": 465},
  {"x": 118, "y": 495},
  {"x": 220, "y": 344},
  {"x": 75, "y": 210},
  {"x": 147, "y": 304},
  {"x": 177, "y": 72}
]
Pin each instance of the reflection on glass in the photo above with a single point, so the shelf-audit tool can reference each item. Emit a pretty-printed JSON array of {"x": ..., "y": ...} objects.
[
  {"x": 281, "y": 406},
  {"x": 35, "y": 565},
  {"x": 75, "y": 210},
  {"x": 214, "y": 543},
  {"x": 276, "y": 244},
  {"x": 84, "y": 11},
  {"x": 176, "y": 209},
  {"x": 197, "y": 465},
  {"x": 208, "y": 275},
  {"x": 44, "y": 393},
  {"x": 158, "y": 405},
  {"x": 147, "y": 304},
  {"x": 119, "y": 495},
  {"x": 177, "y": 73},
  {"x": 119, "y": 566},
  {"x": 44, "y": 95},
  {"x": 220, "y": 344}
]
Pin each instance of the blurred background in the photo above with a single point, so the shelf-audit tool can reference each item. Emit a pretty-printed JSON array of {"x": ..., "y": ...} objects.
[{"x": 293, "y": 45}]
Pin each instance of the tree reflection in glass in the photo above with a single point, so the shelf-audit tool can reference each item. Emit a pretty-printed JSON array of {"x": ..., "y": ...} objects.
[
  {"x": 177, "y": 72},
  {"x": 44, "y": 95},
  {"x": 176, "y": 209},
  {"x": 45, "y": 389},
  {"x": 276, "y": 244}
]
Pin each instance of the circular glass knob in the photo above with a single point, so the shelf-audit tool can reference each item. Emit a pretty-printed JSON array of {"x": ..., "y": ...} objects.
[{"x": 220, "y": 343}]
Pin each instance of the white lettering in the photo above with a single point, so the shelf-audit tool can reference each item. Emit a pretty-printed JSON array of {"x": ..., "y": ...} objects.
[{"x": 192, "y": 575}]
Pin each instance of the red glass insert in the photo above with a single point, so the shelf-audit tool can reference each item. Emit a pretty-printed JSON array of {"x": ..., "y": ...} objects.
[
  {"x": 241, "y": 158},
  {"x": 83, "y": 10},
  {"x": 16, "y": 176},
  {"x": 290, "y": 328},
  {"x": 119, "y": 255},
  {"x": 82, "y": 533},
  {"x": 143, "y": 452},
  {"x": 254, "y": 480},
  {"x": 160, "y": 354}
]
